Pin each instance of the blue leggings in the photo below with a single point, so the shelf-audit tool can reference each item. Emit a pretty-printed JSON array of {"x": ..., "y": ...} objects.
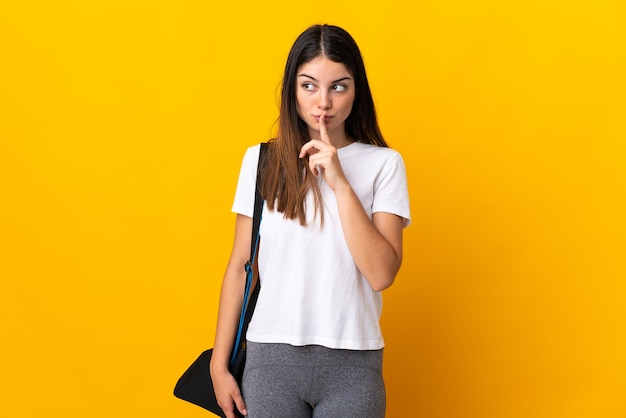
[{"x": 283, "y": 381}]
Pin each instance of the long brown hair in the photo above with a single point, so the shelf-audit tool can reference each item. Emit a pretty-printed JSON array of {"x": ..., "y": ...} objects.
[{"x": 286, "y": 178}]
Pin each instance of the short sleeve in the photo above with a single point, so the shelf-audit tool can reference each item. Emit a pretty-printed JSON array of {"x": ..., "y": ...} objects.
[
  {"x": 246, "y": 185},
  {"x": 391, "y": 191}
]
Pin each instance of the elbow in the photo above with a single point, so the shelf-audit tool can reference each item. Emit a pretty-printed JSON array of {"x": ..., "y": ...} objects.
[
  {"x": 382, "y": 285},
  {"x": 384, "y": 279},
  {"x": 383, "y": 275}
]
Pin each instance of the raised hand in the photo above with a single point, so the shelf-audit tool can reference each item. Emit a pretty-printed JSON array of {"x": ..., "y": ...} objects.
[{"x": 323, "y": 158}]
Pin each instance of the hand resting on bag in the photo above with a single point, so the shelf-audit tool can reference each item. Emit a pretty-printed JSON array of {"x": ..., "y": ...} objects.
[{"x": 227, "y": 393}]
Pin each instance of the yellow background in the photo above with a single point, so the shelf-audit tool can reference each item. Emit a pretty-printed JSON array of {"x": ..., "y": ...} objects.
[{"x": 122, "y": 126}]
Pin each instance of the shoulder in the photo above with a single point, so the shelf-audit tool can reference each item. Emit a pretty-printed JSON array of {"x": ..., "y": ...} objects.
[
  {"x": 251, "y": 157},
  {"x": 360, "y": 146},
  {"x": 372, "y": 152},
  {"x": 253, "y": 151}
]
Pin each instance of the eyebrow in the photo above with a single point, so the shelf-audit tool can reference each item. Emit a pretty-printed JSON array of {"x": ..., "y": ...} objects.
[{"x": 334, "y": 81}]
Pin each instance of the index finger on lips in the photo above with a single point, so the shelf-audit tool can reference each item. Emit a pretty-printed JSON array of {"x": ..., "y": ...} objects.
[{"x": 323, "y": 131}]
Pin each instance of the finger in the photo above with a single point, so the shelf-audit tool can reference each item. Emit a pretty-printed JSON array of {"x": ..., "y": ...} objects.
[
  {"x": 312, "y": 165},
  {"x": 313, "y": 168},
  {"x": 310, "y": 148},
  {"x": 304, "y": 150},
  {"x": 323, "y": 131},
  {"x": 230, "y": 413},
  {"x": 240, "y": 404},
  {"x": 229, "y": 409}
]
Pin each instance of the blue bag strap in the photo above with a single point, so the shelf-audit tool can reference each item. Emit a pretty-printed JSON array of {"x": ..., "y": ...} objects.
[{"x": 249, "y": 299}]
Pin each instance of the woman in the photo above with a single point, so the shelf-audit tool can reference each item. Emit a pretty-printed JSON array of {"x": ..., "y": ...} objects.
[{"x": 336, "y": 203}]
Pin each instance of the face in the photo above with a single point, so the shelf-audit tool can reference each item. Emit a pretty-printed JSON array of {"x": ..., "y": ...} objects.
[{"x": 325, "y": 87}]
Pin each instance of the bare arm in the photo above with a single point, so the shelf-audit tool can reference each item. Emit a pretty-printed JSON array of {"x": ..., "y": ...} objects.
[
  {"x": 375, "y": 245},
  {"x": 226, "y": 389}
]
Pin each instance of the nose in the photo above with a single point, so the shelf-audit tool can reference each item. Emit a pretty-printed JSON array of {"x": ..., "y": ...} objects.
[{"x": 324, "y": 101}]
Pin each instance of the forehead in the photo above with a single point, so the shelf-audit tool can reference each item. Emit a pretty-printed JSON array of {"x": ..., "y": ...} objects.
[{"x": 321, "y": 68}]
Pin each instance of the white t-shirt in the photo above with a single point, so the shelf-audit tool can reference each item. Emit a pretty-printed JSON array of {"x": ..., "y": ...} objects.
[{"x": 311, "y": 289}]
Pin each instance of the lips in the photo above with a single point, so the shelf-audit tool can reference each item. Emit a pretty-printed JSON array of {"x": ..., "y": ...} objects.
[{"x": 326, "y": 118}]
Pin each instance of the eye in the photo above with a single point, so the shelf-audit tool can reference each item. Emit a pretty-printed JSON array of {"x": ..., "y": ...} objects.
[
  {"x": 339, "y": 87},
  {"x": 308, "y": 86}
]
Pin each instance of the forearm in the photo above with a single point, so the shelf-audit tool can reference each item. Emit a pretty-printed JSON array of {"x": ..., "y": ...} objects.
[
  {"x": 231, "y": 298},
  {"x": 377, "y": 254},
  {"x": 231, "y": 295}
]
